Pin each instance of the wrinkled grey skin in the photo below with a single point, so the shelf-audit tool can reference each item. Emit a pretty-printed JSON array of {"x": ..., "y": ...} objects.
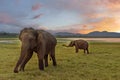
[
  {"x": 79, "y": 44},
  {"x": 39, "y": 41}
]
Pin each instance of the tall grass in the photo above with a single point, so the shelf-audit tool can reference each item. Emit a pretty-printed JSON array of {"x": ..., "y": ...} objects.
[{"x": 103, "y": 63}]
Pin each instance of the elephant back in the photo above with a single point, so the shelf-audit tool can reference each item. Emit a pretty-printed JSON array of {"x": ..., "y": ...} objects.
[
  {"x": 47, "y": 37},
  {"x": 82, "y": 44}
]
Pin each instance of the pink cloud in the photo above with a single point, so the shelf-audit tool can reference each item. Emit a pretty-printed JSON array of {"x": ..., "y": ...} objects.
[
  {"x": 114, "y": 1},
  {"x": 6, "y": 18},
  {"x": 75, "y": 28},
  {"x": 106, "y": 24},
  {"x": 88, "y": 6},
  {"x": 36, "y": 6}
]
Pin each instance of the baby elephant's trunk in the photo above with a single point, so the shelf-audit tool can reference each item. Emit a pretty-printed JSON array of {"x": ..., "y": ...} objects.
[{"x": 65, "y": 45}]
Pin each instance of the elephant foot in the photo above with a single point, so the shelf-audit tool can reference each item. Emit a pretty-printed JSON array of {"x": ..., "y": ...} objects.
[
  {"x": 54, "y": 64},
  {"x": 42, "y": 69},
  {"x": 15, "y": 71},
  {"x": 41, "y": 65},
  {"x": 76, "y": 52}
]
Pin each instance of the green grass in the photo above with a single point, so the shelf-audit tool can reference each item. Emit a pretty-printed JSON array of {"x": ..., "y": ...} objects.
[{"x": 102, "y": 64}]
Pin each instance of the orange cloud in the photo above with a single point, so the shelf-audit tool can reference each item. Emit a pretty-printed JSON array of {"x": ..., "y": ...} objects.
[
  {"x": 110, "y": 24},
  {"x": 96, "y": 15},
  {"x": 107, "y": 24}
]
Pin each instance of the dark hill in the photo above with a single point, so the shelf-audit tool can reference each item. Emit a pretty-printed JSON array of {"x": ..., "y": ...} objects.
[
  {"x": 91, "y": 34},
  {"x": 103, "y": 34}
]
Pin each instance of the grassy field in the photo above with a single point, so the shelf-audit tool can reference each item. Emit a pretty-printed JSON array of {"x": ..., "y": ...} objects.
[{"x": 102, "y": 64}]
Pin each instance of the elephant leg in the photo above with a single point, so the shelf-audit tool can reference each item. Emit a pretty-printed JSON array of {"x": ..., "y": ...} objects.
[
  {"x": 40, "y": 61},
  {"x": 87, "y": 51},
  {"x": 54, "y": 60},
  {"x": 53, "y": 57},
  {"x": 19, "y": 61},
  {"x": 46, "y": 60},
  {"x": 76, "y": 50},
  {"x": 84, "y": 51},
  {"x": 26, "y": 59}
]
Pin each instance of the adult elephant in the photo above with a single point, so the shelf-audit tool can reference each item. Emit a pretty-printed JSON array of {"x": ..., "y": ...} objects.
[
  {"x": 79, "y": 44},
  {"x": 39, "y": 41}
]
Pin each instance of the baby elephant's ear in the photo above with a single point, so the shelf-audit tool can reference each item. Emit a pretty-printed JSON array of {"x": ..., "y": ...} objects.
[
  {"x": 72, "y": 43},
  {"x": 76, "y": 43}
]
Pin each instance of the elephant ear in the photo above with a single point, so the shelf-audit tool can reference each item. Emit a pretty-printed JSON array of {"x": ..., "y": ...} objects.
[
  {"x": 20, "y": 34},
  {"x": 38, "y": 34},
  {"x": 76, "y": 44},
  {"x": 27, "y": 30}
]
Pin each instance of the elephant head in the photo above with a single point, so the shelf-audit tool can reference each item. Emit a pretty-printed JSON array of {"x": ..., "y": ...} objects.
[
  {"x": 72, "y": 43},
  {"x": 28, "y": 37}
]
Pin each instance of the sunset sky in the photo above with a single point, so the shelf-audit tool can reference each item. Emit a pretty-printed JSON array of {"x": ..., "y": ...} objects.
[{"x": 76, "y": 16}]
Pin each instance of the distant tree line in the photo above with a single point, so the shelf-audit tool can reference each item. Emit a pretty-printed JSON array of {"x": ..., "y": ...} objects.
[{"x": 8, "y": 35}]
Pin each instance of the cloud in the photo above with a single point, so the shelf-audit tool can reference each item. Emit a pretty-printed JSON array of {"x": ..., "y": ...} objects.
[
  {"x": 84, "y": 7},
  {"x": 6, "y": 18},
  {"x": 37, "y": 16},
  {"x": 76, "y": 28},
  {"x": 36, "y": 6},
  {"x": 107, "y": 24}
]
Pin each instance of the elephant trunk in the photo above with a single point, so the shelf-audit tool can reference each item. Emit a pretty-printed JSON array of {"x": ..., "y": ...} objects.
[
  {"x": 65, "y": 45},
  {"x": 22, "y": 56}
]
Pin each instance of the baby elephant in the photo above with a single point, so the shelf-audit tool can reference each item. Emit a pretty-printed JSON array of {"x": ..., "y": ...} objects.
[{"x": 79, "y": 44}]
